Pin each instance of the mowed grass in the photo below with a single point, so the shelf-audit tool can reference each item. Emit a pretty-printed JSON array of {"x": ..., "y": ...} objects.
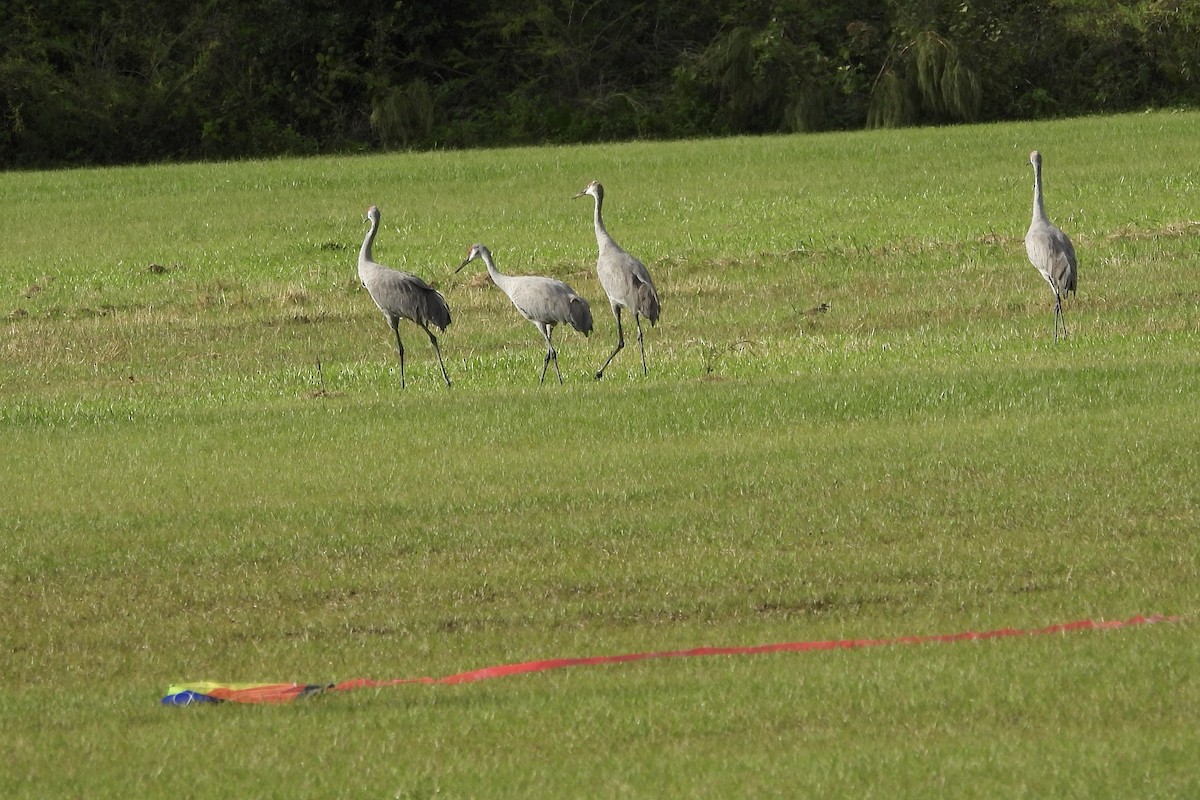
[{"x": 208, "y": 471}]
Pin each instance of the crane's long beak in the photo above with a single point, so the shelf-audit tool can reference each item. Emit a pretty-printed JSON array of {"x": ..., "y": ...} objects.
[
  {"x": 460, "y": 266},
  {"x": 580, "y": 194}
]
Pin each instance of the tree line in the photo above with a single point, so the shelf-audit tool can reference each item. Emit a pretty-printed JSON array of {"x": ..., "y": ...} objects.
[{"x": 85, "y": 82}]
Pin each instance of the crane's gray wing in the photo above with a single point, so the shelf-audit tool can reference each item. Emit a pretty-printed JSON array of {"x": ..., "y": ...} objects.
[
  {"x": 627, "y": 282},
  {"x": 538, "y": 298},
  {"x": 1051, "y": 251},
  {"x": 640, "y": 273},
  {"x": 643, "y": 291},
  {"x": 1066, "y": 268},
  {"x": 408, "y": 296}
]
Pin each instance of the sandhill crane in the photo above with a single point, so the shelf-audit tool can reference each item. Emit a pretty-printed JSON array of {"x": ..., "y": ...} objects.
[
  {"x": 1050, "y": 249},
  {"x": 625, "y": 280},
  {"x": 543, "y": 301},
  {"x": 400, "y": 295}
]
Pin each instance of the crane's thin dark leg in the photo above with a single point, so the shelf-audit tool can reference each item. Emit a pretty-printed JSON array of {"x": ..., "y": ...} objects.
[
  {"x": 400, "y": 350},
  {"x": 553, "y": 354},
  {"x": 1058, "y": 315},
  {"x": 438, "y": 350},
  {"x": 620, "y": 343},
  {"x": 1055, "y": 311},
  {"x": 546, "y": 360},
  {"x": 638, "y": 318},
  {"x": 547, "y": 332}
]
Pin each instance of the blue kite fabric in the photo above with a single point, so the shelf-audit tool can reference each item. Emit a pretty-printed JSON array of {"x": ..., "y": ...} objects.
[{"x": 188, "y": 694}]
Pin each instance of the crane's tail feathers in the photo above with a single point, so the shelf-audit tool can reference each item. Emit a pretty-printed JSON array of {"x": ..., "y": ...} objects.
[
  {"x": 435, "y": 310},
  {"x": 581, "y": 316},
  {"x": 648, "y": 303}
]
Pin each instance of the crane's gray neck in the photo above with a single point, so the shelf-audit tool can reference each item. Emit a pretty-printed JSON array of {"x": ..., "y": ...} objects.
[
  {"x": 364, "y": 254},
  {"x": 602, "y": 237},
  {"x": 497, "y": 276},
  {"x": 1039, "y": 210},
  {"x": 486, "y": 255}
]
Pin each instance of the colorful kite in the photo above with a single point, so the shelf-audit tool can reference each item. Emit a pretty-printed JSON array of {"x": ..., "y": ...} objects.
[{"x": 209, "y": 692}]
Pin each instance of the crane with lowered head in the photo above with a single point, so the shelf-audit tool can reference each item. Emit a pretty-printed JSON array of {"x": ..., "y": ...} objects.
[{"x": 543, "y": 301}]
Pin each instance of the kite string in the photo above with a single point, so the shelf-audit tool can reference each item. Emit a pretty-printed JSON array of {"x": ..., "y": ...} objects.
[{"x": 504, "y": 670}]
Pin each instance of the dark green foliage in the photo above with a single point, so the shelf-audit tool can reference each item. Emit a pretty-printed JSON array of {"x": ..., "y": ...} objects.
[
  {"x": 785, "y": 66},
  {"x": 403, "y": 115},
  {"x": 931, "y": 82},
  {"x": 117, "y": 81}
]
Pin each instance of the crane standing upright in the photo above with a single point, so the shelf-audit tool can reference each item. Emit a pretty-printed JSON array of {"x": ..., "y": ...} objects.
[
  {"x": 626, "y": 281},
  {"x": 1049, "y": 249},
  {"x": 543, "y": 301},
  {"x": 400, "y": 295}
]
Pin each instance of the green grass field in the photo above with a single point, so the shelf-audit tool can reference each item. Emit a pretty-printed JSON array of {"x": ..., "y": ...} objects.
[{"x": 208, "y": 471}]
